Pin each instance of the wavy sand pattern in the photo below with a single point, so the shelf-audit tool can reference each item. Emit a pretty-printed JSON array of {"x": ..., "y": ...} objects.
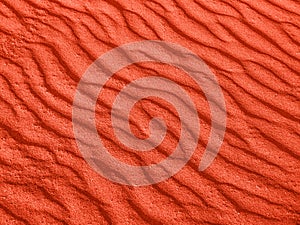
[{"x": 253, "y": 48}]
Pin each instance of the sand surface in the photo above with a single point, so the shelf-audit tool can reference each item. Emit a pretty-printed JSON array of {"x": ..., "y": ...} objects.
[{"x": 252, "y": 47}]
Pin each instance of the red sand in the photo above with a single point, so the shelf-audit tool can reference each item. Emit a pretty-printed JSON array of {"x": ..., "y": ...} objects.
[{"x": 253, "y": 47}]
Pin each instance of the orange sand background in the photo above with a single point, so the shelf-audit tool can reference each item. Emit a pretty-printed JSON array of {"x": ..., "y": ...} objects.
[{"x": 253, "y": 48}]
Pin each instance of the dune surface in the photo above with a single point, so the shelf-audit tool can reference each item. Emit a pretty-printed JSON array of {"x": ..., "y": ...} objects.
[{"x": 252, "y": 47}]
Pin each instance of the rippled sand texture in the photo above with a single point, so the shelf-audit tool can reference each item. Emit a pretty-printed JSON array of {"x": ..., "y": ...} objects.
[{"x": 253, "y": 48}]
